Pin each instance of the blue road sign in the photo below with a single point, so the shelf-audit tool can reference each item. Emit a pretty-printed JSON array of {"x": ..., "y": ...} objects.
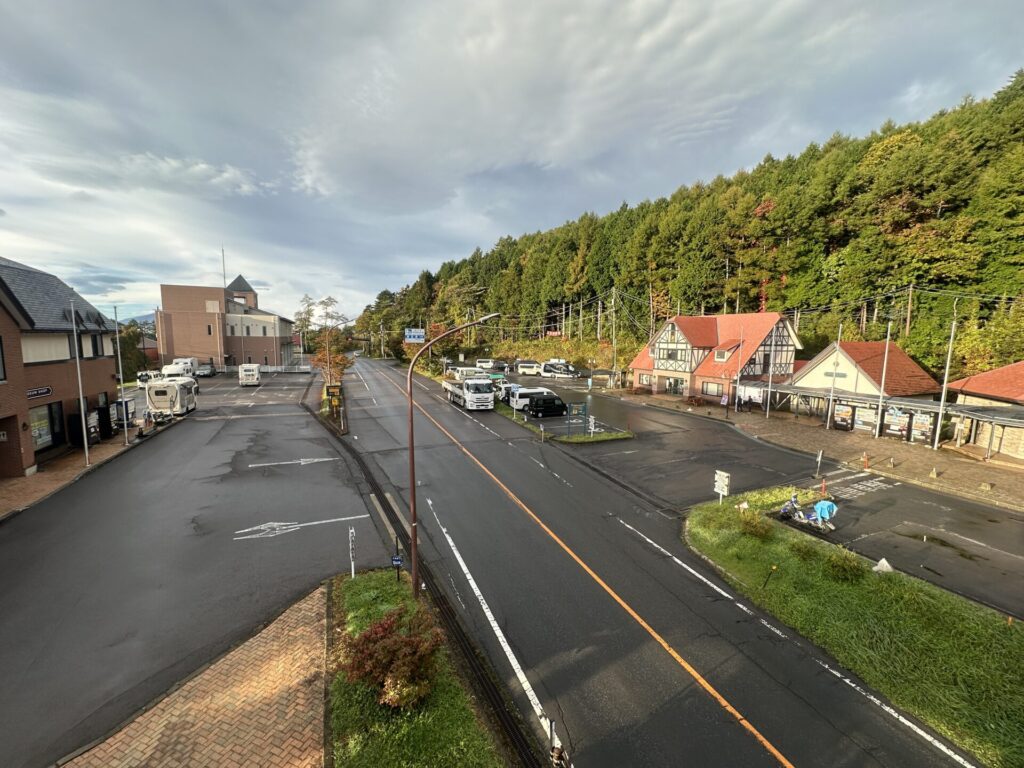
[
  {"x": 396, "y": 560},
  {"x": 415, "y": 335}
]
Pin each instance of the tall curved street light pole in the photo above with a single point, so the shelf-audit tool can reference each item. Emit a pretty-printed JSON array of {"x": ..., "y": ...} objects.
[{"x": 412, "y": 446}]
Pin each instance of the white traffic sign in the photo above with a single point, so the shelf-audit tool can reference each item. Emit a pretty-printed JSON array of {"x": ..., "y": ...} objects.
[
  {"x": 269, "y": 530},
  {"x": 415, "y": 335},
  {"x": 722, "y": 484}
]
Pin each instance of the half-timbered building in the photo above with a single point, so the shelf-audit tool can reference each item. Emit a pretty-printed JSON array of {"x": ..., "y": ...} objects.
[{"x": 705, "y": 356}]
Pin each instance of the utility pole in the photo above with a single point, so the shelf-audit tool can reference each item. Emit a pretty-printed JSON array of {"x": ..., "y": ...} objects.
[
  {"x": 832, "y": 389},
  {"x": 910, "y": 303},
  {"x": 945, "y": 382},
  {"x": 120, "y": 375},
  {"x": 581, "y": 319},
  {"x": 599, "y": 308},
  {"x": 224, "y": 267},
  {"x": 78, "y": 369},
  {"x": 615, "y": 348},
  {"x": 381, "y": 339},
  {"x": 881, "y": 389}
]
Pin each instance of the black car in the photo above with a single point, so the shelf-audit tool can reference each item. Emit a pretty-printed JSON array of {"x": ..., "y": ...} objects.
[{"x": 546, "y": 405}]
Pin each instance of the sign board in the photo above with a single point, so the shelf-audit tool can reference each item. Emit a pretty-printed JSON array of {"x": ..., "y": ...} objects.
[
  {"x": 578, "y": 409},
  {"x": 842, "y": 416},
  {"x": 40, "y": 392},
  {"x": 725, "y": 399},
  {"x": 922, "y": 428},
  {"x": 896, "y": 423},
  {"x": 415, "y": 335},
  {"x": 334, "y": 390},
  {"x": 396, "y": 561},
  {"x": 722, "y": 482}
]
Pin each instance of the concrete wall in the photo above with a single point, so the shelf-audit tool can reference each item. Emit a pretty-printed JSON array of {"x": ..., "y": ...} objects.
[{"x": 1007, "y": 441}]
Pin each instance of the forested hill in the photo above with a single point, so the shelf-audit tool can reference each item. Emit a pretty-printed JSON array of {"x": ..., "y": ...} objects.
[{"x": 840, "y": 233}]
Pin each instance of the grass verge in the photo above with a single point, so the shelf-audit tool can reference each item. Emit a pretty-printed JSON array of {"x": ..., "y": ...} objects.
[
  {"x": 951, "y": 662},
  {"x": 442, "y": 731},
  {"x": 598, "y": 437}
]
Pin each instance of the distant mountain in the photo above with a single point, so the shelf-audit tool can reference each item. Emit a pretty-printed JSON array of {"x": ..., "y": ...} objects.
[{"x": 144, "y": 319}]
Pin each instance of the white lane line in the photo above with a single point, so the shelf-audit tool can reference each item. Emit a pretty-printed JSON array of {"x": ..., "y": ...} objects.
[
  {"x": 374, "y": 400},
  {"x": 300, "y": 462},
  {"x": 362, "y": 379},
  {"x": 866, "y": 694},
  {"x": 269, "y": 530},
  {"x": 502, "y": 640}
]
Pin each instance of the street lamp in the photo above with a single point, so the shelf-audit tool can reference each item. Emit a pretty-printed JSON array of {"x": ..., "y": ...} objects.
[{"x": 412, "y": 446}]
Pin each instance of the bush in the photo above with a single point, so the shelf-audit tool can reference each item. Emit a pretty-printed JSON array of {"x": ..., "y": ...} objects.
[
  {"x": 804, "y": 548},
  {"x": 397, "y": 655},
  {"x": 753, "y": 523},
  {"x": 844, "y": 565}
]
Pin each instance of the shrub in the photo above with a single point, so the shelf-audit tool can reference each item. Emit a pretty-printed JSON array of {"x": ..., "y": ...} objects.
[
  {"x": 753, "y": 523},
  {"x": 396, "y": 655},
  {"x": 803, "y": 547},
  {"x": 843, "y": 565}
]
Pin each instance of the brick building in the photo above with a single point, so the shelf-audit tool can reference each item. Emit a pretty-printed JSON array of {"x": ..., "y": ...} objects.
[
  {"x": 38, "y": 379},
  {"x": 222, "y": 326}
]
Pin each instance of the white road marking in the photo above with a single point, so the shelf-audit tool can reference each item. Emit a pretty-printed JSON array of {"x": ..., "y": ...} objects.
[
  {"x": 269, "y": 530},
  {"x": 502, "y": 640},
  {"x": 617, "y": 453},
  {"x": 300, "y": 462},
  {"x": 362, "y": 379},
  {"x": 866, "y": 694}
]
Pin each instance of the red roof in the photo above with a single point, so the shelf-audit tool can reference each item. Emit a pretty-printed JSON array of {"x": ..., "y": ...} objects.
[
  {"x": 643, "y": 360},
  {"x": 903, "y": 377},
  {"x": 743, "y": 332},
  {"x": 798, "y": 364},
  {"x": 1006, "y": 383},
  {"x": 700, "y": 330}
]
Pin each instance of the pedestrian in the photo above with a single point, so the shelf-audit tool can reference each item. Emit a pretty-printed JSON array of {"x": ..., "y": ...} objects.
[{"x": 750, "y": 404}]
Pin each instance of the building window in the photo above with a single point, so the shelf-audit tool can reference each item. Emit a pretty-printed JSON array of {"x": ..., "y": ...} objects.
[
  {"x": 47, "y": 425},
  {"x": 645, "y": 379},
  {"x": 249, "y": 359},
  {"x": 231, "y": 330},
  {"x": 209, "y": 330},
  {"x": 3, "y": 364},
  {"x": 721, "y": 355},
  {"x": 264, "y": 330},
  {"x": 248, "y": 330},
  {"x": 96, "y": 346},
  {"x": 265, "y": 362},
  {"x": 103, "y": 399},
  {"x": 711, "y": 388}
]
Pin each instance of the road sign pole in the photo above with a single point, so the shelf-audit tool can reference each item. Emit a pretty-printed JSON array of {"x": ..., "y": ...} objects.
[
  {"x": 352, "y": 549},
  {"x": 817, "y": 471}
]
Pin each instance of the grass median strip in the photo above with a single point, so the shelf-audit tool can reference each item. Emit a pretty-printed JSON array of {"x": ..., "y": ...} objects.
[
  {"x": 534, "y": 426},
  {"x": 441, "y": 730},
  {"x": 952, "y": 663}
]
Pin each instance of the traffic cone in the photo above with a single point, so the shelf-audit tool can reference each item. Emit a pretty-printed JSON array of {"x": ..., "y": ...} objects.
[{"x": 824, "y": 493}]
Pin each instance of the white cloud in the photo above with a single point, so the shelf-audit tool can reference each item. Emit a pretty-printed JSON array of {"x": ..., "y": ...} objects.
[{"x": 342, "y": 148}]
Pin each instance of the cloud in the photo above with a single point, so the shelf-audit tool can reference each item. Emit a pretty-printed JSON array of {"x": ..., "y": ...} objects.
[{"x": 342, "y": 148}]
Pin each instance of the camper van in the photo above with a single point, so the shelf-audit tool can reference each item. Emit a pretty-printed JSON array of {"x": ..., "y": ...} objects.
[
  {"x": 248, "y": 375},
  {"x": 188, "y": 364},
  {"x": 170, "y": 397}
]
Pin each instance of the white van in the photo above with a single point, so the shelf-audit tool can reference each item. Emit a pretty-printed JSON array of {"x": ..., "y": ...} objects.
[
  {"x": 485, "y": 362},
  {"x": 170, "y": 397},
  {"x": 466, "y": 372},
  {"x": 520, "y": 398},
  {"x": 189, "y": 364},
  {"x": 249, "y": 375},
  {"x": 173, "y": 369},
  {"x": 528, "y": 368}
]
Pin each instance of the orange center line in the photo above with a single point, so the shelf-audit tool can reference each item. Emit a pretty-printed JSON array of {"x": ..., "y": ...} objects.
[{"x": 719, "y": 698}]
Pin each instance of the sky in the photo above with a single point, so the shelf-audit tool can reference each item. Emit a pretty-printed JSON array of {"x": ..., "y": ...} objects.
[{"x": 339, "y": 148}]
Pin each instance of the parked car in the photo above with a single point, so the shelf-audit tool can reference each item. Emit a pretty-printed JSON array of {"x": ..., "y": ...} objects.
[
  {"x": 484, "y": 363},
  {"x": 206, "y": 370},
  {"x": 528, "y": 368},
  {"x": 519, "y": 398},
  {"x": 540, "y": 406}
]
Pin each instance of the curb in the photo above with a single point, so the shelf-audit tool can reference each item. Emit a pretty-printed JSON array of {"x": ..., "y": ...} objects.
[{"x": 134, "y": 444}]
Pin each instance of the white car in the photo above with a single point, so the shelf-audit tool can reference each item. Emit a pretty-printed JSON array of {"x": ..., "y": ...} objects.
[
  {"x": 520, "y": 398},
  {"x": 528, "y": 368},
  {"x": 485, "y": 363}
]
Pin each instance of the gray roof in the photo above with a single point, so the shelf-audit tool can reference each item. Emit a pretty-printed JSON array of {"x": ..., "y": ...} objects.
[
  {"x": 45, "y": 300},
  {"x": 240, "y": 284}
]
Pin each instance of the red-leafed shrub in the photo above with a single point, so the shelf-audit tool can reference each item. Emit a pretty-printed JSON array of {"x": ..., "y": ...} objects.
[{"x": 396, "y": 655}]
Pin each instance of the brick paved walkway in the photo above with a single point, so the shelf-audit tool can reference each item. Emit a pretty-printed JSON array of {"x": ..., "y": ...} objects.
[
  {"x": 957, "y": 473},
  {"x": 261, "y": 706}
]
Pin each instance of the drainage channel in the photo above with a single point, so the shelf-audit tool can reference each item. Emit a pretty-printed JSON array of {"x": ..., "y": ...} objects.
[{"x": 511, "y": 726}]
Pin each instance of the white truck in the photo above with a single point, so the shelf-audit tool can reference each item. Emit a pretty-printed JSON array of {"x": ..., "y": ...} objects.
[
  {"x": 171, "y": 396},
  {"x": 473, "y": 394},
  {"x": 188, "y": 363},
  {"x": 249, "y": 375}
]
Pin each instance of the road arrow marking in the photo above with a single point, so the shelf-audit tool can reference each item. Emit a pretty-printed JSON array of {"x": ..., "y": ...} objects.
[
  {"x": 300, "y": 462},
  {"x": 269, "y": 530}
]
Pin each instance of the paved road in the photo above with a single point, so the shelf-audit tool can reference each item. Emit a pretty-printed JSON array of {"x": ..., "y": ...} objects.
[
  {"x": 124, "y": 583},
  {"x": 609, "y": 617},
  {"x": 966, "y": 546}
]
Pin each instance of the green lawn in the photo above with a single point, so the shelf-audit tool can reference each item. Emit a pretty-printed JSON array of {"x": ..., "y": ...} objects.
[
  {"x": 442, "y": 731},
  {"x": 510, "y": 413},
  {"x": 956, "y": 665}
]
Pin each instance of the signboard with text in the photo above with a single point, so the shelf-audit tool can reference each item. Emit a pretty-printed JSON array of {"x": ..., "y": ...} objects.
[
  {"x": 39, "y": 392},
  {"x": 415, "y": 335},
  {"x": 722, "y": 482}
]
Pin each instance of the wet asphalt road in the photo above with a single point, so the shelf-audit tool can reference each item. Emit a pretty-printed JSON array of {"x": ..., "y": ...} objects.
[
  {"x": 132, "y": 578},
  {"x": 601, "y": 604}
]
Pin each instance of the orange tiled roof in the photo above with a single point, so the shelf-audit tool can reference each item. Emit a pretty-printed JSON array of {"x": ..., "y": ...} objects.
[{"x": 1006, "y": 383}]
